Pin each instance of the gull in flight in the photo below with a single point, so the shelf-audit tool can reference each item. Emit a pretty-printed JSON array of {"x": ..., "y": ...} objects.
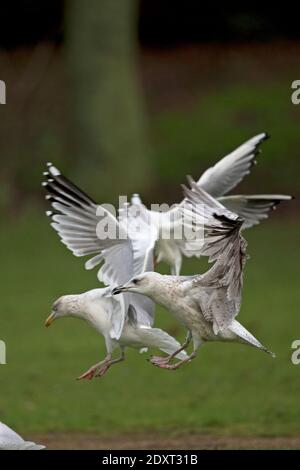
[
  {"x": 97, "y": 307},
  {"x": 206, "y": 304},
  {"x": 217, "y": 180},
  {"x": 75, "y": 217},
  {"x": 10, "y": 440},
  {"x": 124, "y": 322}
]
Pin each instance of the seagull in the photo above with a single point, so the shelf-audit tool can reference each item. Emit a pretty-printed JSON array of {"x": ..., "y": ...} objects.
[
  {"x": 206, "y": 304},
  {"x": 217, "y": 180},
  {"x": 97, "y": 307},
  {"x": 10, "y": 440},
  {"x": 126, "y": 321}
]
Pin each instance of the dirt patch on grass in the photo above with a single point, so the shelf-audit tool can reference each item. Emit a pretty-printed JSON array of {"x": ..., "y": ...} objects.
[{"x": 151, "y": 441}]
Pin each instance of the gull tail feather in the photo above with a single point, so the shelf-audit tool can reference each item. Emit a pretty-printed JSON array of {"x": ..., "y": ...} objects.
[
  {"x": 247, "y": 337},
  {"x": 157, "y": 338}
]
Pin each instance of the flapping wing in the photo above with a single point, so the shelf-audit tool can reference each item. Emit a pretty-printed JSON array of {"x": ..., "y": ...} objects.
[
  {"x": 81, "y": 225},
  {"x": 217, "y": 180},
  {"x": 88, "y": 229},
  {"x": 228, "y": 172},
  {"x": 253, "y": 209},
  {"x": 219, "y": 290}
]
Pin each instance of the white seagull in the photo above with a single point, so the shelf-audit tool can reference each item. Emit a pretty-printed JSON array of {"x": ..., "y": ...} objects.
[
  {"x": 217, "y": 180},
  {"x": 10, "y": 440},
  {"x": 97, "y": 307},
  {"x": 126, "y": 321},
  {"x": 205, "y": 304}
]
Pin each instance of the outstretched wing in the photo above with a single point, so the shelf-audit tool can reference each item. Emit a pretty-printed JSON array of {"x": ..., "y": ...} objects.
[
  {"x": 228, "y": 172},
  {"x": 219, "y": 290},
  {"x": 253, "y": 209},
  {"x": 90, "y": 229},
  {"x": 80, "y": 224},
  {"x": 217, "y": 180}
]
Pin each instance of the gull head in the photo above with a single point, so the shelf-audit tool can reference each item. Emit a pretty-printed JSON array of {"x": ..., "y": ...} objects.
[
  {"x": 142, "y": 284},
  {"x": 67, "y": 305}
]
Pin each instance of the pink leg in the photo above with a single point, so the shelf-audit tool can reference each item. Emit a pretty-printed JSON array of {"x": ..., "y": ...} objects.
[
  {"x": 90, "y": 373},
  {"x": 99, "y": 369},
  {"x": 177, "y": 364},
  {"x": 163, "y": 361},
  {"x": 102, "y": 370},
  {"x": 158, "y": 360}
]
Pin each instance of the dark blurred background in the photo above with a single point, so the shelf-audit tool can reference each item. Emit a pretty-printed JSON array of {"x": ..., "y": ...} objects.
[{"x": 144, "y": 89}]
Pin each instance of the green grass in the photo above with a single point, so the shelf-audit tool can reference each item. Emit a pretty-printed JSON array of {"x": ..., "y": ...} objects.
[{"x": 228, "y": 388}]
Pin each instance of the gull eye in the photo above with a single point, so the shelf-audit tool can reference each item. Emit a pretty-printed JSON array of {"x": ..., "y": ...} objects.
[{"x": 135, "y": 281}]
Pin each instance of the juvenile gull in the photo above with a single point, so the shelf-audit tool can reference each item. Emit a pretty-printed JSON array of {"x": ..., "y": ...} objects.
[
  {"x": 10, "y": 440},
  {"x": 128, "y": 320},
  {"x": 205, "y": 304}
]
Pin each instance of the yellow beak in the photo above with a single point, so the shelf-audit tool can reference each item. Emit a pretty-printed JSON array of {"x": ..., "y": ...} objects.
[{"x": 50, "y": 319}]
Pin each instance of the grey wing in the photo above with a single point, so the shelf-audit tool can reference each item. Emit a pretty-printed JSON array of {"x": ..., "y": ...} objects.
[
  {"x": 78, "y": 220},
  {"x": 228, "y": 172},
  {"x": 219, "y": 290},
  {"x": 253, "y": 209}
]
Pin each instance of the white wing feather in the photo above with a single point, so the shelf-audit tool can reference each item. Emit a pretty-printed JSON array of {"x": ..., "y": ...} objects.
[
  {"x": 253, "y": 209},
  {"x": 75, "y": 218},
  {"x": 228, "y": 172}
]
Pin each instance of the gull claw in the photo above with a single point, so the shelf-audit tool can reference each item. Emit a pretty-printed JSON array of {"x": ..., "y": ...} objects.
[
  {"x": 89, "y": 374},
  {"x": 159, "y": 361},
  {"x": 165, "y": 365},
  {"x": 102, "y": 370}
]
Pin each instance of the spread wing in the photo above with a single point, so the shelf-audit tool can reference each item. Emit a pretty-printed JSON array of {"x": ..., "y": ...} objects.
[
  {"x": 228, "y": 172},
  {"x": 217, "y": 180},
  {"x": 253, "y": 209},
  {"x": 218, "y": 291},
  {"x": 90, "y": 229}
]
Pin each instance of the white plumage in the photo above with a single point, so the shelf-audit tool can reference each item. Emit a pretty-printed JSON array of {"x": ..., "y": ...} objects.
[
  {"x": 217, "y": 181},
  {"x": 10, "y": 440},
  {"x": 98, "y": 308},
  {"x": 128, "y": 320},
  {"x": 76, "y": 217}
]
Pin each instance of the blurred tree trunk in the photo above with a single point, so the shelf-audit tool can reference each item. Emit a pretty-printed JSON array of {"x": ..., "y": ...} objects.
[{"x": 111, "y": 147}]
